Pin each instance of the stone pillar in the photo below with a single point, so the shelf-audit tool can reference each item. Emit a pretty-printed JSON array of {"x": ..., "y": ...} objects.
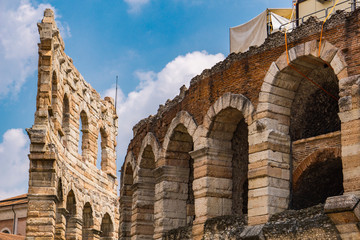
[
  {"x": 170, "y": 198},
  {"x": 269, "y": 171},
  {"x": 125, "y": 213},
  {"x": 212, "y": 186},
  {"x": 349, "y": 114},
  {"x": 143, "y": 210},
  {"x": 344, "y": 211},
  {"x": 74, "y": 228},
  {"x": 42, "y": 192},
  {"x": 60, "y": 226}
]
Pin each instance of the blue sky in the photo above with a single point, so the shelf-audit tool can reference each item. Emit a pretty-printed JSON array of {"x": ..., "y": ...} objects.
[{"x": 154, "y": 46}]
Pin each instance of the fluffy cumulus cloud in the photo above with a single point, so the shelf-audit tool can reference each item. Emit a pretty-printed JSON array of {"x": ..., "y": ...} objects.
[
  {"x": 18, "y": 43},
  {"x": 14, "y": 163},
  {"x": 136, "y": 5},
  {"x": 154, "y": 89}
]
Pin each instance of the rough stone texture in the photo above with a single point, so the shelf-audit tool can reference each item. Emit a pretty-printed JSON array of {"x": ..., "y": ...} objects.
[
  {"x": 277, "y": 105},
  {"x": 224, "y": 227},
  {"x": 69, "y": 197},
  {"x": 310, "y": 223}
]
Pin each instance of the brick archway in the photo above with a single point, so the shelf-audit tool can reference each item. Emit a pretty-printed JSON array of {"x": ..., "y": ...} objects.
[{"x": 312, "y": 159}]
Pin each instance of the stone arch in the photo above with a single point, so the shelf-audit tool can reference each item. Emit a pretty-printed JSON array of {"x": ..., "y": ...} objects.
[
  {"x": 144, "y": 189},
  {"x": 286, "y": 98},
  {"x": 71, "y": 225},
  {"x": 107, "y": 227},
  {"x": 5, "y": 230},
  {"x": 66, "y": 106},
  {"x": 318, "y": 177},
  {"x": 176, "y": 170},
  {"x": 54, "y": 89},
  {"x": 227, "y": 133},
  {"x": 103, "y": 147},
  {"x": 183, "y": 118},
  {"x": 228, "y": 100},
  {"x": 126, "y": 196},
  {"x": 150, "y": 140},
  {"x": 88, "y": 222},
  {"x": 84, "y": 134}
]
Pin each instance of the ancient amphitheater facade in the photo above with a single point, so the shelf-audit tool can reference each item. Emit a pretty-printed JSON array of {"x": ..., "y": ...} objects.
[{"x": 248, "y": 150}]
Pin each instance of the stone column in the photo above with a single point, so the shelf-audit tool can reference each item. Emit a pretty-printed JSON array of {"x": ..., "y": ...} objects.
[
  {"x": 170, "y": 198},
  {"x": 125, "y": 213},
  {"x": 344, "y": 210},
  {"x": 74, "y": 228},
  {"x": 60, "y": 226},
  {"x": 212, "y": 186},
  {"x": 269, "y": 170},
  {"x": 42, "y": 192},
  {"x": 349, "y": 114}
]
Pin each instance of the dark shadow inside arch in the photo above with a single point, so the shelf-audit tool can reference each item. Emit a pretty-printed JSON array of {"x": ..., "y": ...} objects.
[
  {"x": 318, "y": 182},
  {"x": 71, "y": 222},
  {"x": 88, "y": 222},
  {"x": 177, "y": 154},
  {"x": 230, "y": 130},
  {"x": 315, "y": 112},
  {"x": 107, "y": 228},
  {"x": 126, "y": 194}
]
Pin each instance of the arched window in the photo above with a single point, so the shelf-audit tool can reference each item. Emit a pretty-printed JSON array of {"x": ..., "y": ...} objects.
[
  {"x": 66, "y": 114},
  {"x": 83, "y": 134},
  {"x": 101, "y": 155},
  {"x": 107, "y": 228},
  {"x": 88, "y": 222},
  {"x": 71, "y": 223}
]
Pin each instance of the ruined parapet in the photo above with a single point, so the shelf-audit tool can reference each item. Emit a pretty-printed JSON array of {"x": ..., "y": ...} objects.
[{"x": 69, "y": 197}]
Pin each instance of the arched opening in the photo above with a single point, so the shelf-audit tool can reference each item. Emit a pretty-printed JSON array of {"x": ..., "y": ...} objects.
[
  {"x": 83, "y": 134},
  {"x": 313, "y": 114},
  {"x": 54, "y": 90},
  {"x": 71, "y": 223},
  {"x": 66, "y": 114},
  {"x": 144, "y": 197},
  {"x": 319, "y": 181},
  {"x": 88, "y": 223},
  {"x": 102, "y": 145},
  {"x": 229, "y": 132},
  {"x": 126, "y": 195},
  {"x": 313, "y": 111},
  {"x": 6, "y": 230},
  {"x": 59, "y": 226},
  {"x": 177, "y": 154},
  {"x": 107, "y": 228}
]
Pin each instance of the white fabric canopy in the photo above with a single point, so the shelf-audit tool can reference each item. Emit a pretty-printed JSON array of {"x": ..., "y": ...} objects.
[
  {"x": 252, "y": 33},
  {"x": 278, "y": 20}
]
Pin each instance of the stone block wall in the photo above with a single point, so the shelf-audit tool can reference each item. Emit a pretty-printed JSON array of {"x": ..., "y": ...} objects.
[
  {"x": 69, "y": 197},
  {"x": 260, "y": 104}
]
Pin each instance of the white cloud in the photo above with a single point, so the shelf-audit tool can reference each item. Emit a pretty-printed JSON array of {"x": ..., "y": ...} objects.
[
  {"x": 136, "y": 5},
  {"x": 14, "y": 163},
  {"x": 18, "y": 43},
  {"x": 154, "y": 89}
]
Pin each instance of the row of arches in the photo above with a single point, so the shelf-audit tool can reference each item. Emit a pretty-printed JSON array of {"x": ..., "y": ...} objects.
[
  {"x": 208, "y": 170},
  {"x": 73, "y": 221},
  {"x": 86, "y": 138}
]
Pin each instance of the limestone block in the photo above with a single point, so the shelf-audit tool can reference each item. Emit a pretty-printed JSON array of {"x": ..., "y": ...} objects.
[
  {"x": 312, "y": 48},
  {"x": 296, "y": 52},
  {"x": 278, "y": 100},
  {"x": 281, "y": 62},
  {"x": 273, "y": 108},
  {"x": 338, "y": 62},
  {"x": 212, "y": 206},
  {"x": 327, "y": 52}
]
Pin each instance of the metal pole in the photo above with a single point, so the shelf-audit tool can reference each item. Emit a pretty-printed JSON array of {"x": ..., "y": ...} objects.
[{"x": 353, "y": 5}]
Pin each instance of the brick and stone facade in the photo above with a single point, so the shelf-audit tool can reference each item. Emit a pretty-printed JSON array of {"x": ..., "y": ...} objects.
[
  {"x": 247, "y": 138},
  {"x": 69, "y": 197}
]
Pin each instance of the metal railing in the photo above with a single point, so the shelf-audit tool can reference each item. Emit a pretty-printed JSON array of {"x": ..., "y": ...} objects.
[{"x": 298, "y": 21}]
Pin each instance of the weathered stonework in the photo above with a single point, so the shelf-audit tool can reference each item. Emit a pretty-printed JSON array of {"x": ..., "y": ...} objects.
[
  {"x": 246, "y": 139},
  {"x": 69, "y": 197}
]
